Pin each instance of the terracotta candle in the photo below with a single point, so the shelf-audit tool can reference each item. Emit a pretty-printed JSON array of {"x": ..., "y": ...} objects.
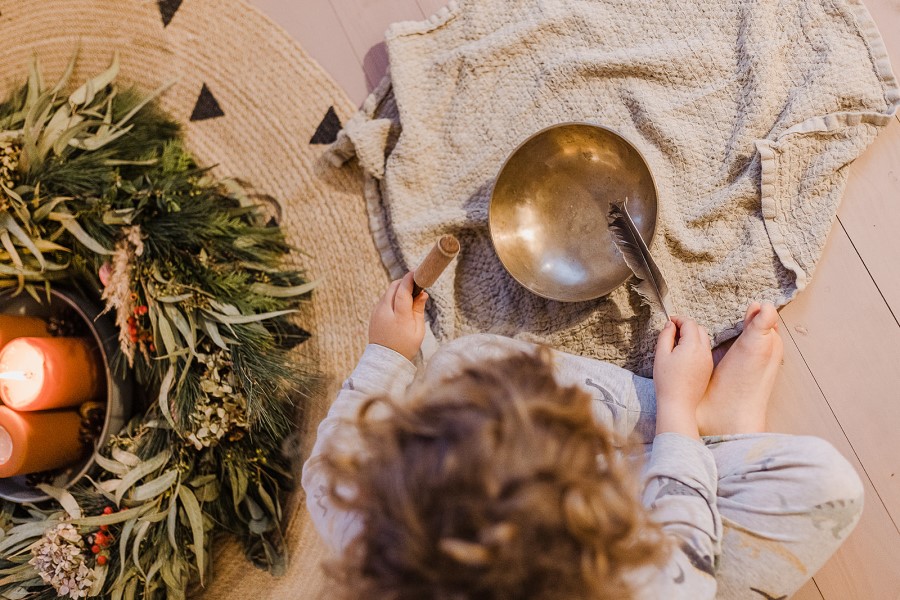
[
  {"x": 12, "y": 327},
  {"x": 45, "y": 373},
  {"x": 32, "y": 442}
]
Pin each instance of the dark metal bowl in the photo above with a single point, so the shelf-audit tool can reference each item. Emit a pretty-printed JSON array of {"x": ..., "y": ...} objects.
[
  {"x": 548, "y": 210},
  {"x": 118, "y": 388}
]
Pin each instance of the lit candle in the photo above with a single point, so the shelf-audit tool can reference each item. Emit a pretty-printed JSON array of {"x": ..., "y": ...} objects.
[
  {"x": 12, "y": 327},
  {"x": 45, "y": 373},
  {"x": 38, "y": 441}
]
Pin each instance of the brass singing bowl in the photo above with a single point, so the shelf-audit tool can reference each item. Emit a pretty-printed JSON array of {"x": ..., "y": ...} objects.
[{"x": 548, "y": 208}]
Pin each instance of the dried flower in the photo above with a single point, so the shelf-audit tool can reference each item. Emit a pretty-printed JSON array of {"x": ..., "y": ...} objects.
[
  {"x": 222, "y": 408},
  {"x": 117, "y": 290},
  {"x": 10, "y": 149},
  {"x": 59, "y": 559}
]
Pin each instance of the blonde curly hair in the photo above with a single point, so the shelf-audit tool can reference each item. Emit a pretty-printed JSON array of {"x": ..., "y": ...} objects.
[{"x": 496, "y": 484}]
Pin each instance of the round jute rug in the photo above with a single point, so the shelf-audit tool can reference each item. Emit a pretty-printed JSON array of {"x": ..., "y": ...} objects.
[{"x": 254, "y": 104}]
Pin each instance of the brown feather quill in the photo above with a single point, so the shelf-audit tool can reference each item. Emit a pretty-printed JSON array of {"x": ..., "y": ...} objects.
[{"x": 651, "y": 285}]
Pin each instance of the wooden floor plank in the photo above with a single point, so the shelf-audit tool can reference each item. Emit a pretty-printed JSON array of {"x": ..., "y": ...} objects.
[
  {"x": 316, "y": 26},
  {"x": 365, "y": 22},
  {"x": 886, "y": 14},
  {"x": 851, "y": 342},
  {"x": 870, "y": 212},
  {"x": 861, "y": 569},
  {"x": 808, "y": 592}
]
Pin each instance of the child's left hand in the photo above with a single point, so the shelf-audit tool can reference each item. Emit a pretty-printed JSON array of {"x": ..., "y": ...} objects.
[{"x": 398, "y": 321}]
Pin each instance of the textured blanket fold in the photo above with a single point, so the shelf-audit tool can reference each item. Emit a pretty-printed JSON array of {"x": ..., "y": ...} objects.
[{"x": 748, "y": 112}]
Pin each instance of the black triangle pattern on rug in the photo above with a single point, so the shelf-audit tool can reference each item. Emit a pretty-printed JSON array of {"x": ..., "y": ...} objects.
[
  {"x": 207, "y": 106},
  {"x": 167, "y": 9},
  {"x": 328, "y": 129},
  {"x": 290, "y": 336}
]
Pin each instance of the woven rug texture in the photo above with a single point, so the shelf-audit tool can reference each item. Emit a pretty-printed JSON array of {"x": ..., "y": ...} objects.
[
  {"x": 251, "y": 102},
  {"x": 748, "y": 113}
]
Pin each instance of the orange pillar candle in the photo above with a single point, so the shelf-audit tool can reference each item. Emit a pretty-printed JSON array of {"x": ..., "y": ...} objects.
[
  {"x": 46, "y": 373},
  {"x": 12, "y": 327},
  {"x": 39, "y": 441}
]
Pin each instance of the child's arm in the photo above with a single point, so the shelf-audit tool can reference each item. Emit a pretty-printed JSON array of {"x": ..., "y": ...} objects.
[
  {"x": 681, "y": 476},
  {"x": 396, "y": 330}
]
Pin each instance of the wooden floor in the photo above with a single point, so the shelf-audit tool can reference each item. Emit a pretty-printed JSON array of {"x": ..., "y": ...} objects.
[{"x": 841, "y": 374}]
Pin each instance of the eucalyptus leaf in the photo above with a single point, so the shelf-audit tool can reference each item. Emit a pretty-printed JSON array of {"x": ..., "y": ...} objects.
[
  {"x": 202, "y": 480},
  {"x": 128, "y": 459},
  {"x": 172, "y": 520},
  {"x": 141, "y": 471},
  {"x": 139, "y": 536},
  {"x": 72, "y": 226},
  {"x": 18, "y": 577},
  {"x": 212, "y": 330},
  {"x": 272, "y": 505},
  {"x": 154, "y": 488},
  {"x": 111, "y": 519},
  {"x": 163, "y": 399},
  {"x": 7, "y": 222},
  {"x": 66, "y": 75},
  {"x": 100, "y": 572},
  {"x": 168, "y": 335},
  {"x": 195, "y": 518},
  {"x": 65, "y": 499},
  {"x": 41, "y": 212},
  {"x": 85, "y": 93},
  {"x": 265, "y": 289},
  {"x": 175, "y": 299},
  {"x": 181, "y": 324},
  {"x": 123, "y": 545},
  {"x": 24, "y": 533},
  {"x": 252, "y": 318}
]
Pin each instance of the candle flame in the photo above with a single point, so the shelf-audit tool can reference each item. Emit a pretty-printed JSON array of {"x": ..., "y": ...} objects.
[{"x": 16, "y": 376}]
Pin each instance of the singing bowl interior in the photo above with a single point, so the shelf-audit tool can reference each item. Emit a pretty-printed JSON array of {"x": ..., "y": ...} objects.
[
  {"x": 548, "y": 210},
  {"x": 118, "y": 393}
]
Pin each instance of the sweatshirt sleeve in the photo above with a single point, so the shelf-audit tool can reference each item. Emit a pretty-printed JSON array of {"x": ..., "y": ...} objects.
[
  {"x": 380, "y": 371},
  {"x": 680, "y": 482}
]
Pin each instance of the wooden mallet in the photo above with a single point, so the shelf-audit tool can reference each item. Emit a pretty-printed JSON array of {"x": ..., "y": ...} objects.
[{"x": 444, "y": 251}]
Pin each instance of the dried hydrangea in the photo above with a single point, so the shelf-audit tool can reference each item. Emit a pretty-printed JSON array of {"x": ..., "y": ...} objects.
[
  {"x": 10, "y": 149},
  {"x": 59, "y": 558},
  {"x": 221, "y": 409}
]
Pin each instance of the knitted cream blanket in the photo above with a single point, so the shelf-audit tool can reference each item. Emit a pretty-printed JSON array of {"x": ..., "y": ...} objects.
[{"x": 748, "y": 112}]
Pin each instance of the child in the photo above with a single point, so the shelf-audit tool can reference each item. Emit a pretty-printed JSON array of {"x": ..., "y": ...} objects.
[{"x": 495, "y": 474}]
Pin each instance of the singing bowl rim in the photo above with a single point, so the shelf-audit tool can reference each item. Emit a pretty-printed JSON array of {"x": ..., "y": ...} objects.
[
  {"x": 512, "y": 155},
  {"x": 119, "y": 387}
]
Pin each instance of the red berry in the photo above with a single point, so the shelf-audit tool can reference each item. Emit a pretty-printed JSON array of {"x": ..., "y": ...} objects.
[
  {"x": 152, "y": 347},
  {"x": 131, "y": 320},
  {"x": 101, "y": 560},
  {"x": 104, "y": 528},
  {"x": 141, "y": 310},
  {"x": 95, "y": 549},
  {"x": 108, "y": 510}
]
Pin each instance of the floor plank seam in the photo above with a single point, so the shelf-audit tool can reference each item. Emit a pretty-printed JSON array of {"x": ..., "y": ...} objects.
[
  {"x": 841, "y": 426},
  {"x": 862, "y": 260}
]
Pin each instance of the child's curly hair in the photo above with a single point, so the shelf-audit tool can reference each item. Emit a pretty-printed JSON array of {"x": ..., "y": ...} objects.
[{"x": 497, "y": 484}]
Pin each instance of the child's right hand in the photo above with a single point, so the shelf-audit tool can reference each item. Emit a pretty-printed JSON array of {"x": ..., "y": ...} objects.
[
  {"x": 398, "y": 321},
  {"x": 681, "y": 373}
]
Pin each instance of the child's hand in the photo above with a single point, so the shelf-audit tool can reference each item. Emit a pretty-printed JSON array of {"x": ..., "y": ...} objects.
[
  {"x": 681, "y": 373},
  {"x": 398, "y": 321}
]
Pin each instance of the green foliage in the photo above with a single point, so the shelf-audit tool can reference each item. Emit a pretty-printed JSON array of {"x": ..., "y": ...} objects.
[{"x": 97, "y": 181}]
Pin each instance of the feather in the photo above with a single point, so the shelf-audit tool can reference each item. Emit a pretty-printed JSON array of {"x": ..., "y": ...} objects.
[{"x": 651, "y": 285}]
